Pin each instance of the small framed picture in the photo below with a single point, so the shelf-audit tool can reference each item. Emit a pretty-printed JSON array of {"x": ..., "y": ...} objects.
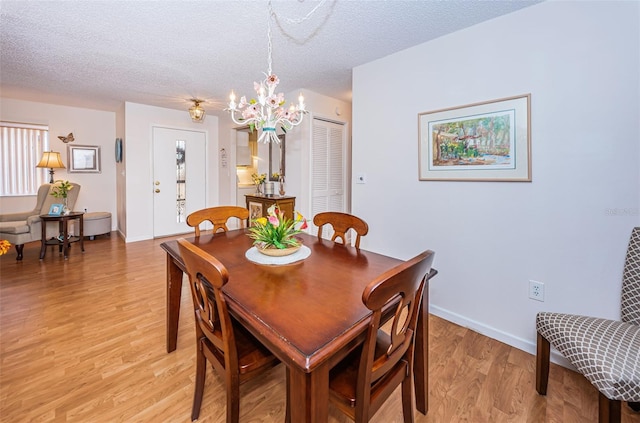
[
  {"x": 255, "y": 211},
  {"x": 83, "y": 158},
  {"x": 55, "y": 209}
]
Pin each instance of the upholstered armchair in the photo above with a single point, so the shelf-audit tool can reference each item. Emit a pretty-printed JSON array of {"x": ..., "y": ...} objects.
[
  {"x": 606, "y": 352},
  {"x": 20, "y": 228}
]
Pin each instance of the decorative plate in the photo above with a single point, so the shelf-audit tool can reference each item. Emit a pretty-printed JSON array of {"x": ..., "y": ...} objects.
[{"x": 255, "y": 256}]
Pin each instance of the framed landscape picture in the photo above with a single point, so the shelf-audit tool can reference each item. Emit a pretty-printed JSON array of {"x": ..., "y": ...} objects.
[{"x": 488, "y": 141}]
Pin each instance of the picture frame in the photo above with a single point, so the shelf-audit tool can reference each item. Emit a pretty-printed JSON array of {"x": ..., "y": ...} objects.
[
  {"x": 486, "y": 141},
  {"x": 83, "y": 158},
  {"x": 55, "y": 210},
  {"x": 255, "y": 211}
]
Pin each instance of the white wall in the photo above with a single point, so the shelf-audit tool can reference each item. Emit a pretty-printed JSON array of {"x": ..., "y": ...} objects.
[
  {"x": 567, "y": 228},
  {"x": 89, "y": 127},
  {"x": 138, "y": 159}
]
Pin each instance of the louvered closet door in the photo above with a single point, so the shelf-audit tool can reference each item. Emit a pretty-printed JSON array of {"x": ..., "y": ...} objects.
[{"x": 328, "y": 181}]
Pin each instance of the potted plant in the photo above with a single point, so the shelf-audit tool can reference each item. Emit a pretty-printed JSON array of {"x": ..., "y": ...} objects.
[
  {"x": 61, "y": 190},
  {"x": 275, "y": 235}
]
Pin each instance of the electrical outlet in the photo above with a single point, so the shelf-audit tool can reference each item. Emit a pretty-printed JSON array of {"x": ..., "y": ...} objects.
[{"x": 536, "y": 290}]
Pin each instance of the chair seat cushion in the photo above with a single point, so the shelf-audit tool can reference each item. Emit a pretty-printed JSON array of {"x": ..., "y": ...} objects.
[
  {"x": 606, "y": 352},
  {"x": 17, "y": 227}
]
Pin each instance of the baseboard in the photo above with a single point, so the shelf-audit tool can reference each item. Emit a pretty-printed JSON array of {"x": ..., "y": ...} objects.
[{"x": 491, "y": 332}]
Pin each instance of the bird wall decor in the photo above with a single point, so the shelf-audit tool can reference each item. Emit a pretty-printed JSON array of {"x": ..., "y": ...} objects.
[{"x": 68, "y": 138}]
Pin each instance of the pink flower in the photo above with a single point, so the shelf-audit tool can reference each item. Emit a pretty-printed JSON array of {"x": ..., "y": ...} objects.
[
  {"x": 272, "y": 80},
  {"x": 272, "y": 101},
  {"x": 274, "y": 221}
]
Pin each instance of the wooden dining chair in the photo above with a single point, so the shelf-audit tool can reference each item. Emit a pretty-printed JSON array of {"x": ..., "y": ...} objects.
[
  {"x": 234, "y": 353},
  {"x": 218, "y": 216},
  {"x": 365, "y": 379},
  {"x": 341, "y": 223}
]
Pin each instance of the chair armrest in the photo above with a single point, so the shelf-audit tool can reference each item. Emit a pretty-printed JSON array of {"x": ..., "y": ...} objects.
[
  {"x": 11, "y": 217},
  {"x": 33, "y": 219}
]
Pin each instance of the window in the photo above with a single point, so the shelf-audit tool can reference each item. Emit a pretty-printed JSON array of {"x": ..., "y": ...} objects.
[{"x": 21, "y": 146}]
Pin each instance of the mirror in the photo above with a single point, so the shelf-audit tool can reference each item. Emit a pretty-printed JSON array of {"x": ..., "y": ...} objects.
[{"x": 277, "y": 158}]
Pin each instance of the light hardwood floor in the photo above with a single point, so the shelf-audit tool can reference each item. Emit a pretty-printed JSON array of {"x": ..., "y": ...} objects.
[{"x": 83, "y": 340}]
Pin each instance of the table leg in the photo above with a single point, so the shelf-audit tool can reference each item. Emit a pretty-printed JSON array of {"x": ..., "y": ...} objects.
[
  {"x": 81, "y": 219},
  {"x": 43, "y": 239},
  {"x": 421, "y": 359},
  {"x": 309, "y": 394},
  {"x": 65, "y": 239},
  {"x": 174, "y": 289}
]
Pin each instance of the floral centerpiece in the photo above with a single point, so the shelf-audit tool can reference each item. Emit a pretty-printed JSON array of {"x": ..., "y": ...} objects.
[
  {"x": 275, "y": 234},
  {"x": 4, "y": 246},
  {"x": 61, "y": 190}
]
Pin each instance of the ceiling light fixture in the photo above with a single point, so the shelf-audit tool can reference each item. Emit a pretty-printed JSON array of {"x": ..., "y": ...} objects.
[
  {"x": 51, "y": 160},
  {"x": 268, "y": 111},
  {"x": 196, "y": 111}
]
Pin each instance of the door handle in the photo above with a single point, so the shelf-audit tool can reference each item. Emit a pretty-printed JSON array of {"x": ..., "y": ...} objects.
[
  {"x": 157, "y": 182},
  {"x": 157, "y": 190}
]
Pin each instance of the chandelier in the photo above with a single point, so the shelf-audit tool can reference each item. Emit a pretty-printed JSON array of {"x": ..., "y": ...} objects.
[
  {"x": 196, "y": 111},
  {"x": 268, "y": 111}
]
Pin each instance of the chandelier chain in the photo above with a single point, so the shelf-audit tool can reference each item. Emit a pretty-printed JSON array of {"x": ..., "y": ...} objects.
[
  {"x": 269, "y": 45},
  {"x": 296, "y": 20}
]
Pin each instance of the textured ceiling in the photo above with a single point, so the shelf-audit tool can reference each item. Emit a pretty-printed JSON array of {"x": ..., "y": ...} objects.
[{"x": 98, "y": 54}]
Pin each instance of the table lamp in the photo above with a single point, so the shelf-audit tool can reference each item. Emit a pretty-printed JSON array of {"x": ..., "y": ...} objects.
[{"x": 51, "y": 160}]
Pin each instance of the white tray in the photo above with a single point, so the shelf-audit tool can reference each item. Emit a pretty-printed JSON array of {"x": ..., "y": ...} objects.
[{"x": 255, "y": 256}]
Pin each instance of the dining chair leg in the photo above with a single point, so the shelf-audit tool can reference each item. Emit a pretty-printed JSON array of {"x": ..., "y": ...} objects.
[
  {"x": 287, "y": 416},
  {"x": 201, "y": 372},
  {"x": 407, "y": 399},
  {"x": 542, "y": 365},
  {"x": 609, "y": 411},
  {"x": 233, "y": 399}
]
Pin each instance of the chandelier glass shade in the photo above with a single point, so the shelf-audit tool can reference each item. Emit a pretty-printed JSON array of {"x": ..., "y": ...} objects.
[
  {"x": 267, "y": 111},
  {"x": 196, "y": 111}
]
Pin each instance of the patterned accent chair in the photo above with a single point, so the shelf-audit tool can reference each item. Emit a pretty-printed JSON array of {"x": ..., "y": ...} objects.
[{"x": 606, "y": 352}]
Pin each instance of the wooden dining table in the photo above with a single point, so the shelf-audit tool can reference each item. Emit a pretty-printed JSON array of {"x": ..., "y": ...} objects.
[{"x": 309, "y": 313}]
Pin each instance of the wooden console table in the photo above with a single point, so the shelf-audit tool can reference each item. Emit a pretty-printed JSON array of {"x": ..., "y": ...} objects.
[
  {"x": 258, "y": 205},
  {"x": 63, "y": 226}
]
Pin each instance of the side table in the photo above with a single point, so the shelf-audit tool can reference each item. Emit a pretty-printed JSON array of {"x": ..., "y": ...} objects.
[{"x": 63, "y": 226}]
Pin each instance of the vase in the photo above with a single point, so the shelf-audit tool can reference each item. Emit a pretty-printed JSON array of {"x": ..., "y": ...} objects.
[
  {"x": 259, "y": 189},
  {"x": 281, "y": 180},
  {"x": 65, "y": 206},
  {"x": 279, "y": 252}
]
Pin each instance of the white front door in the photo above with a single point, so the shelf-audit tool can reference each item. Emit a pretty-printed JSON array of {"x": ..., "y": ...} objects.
[{"x": 179, "y": 179}]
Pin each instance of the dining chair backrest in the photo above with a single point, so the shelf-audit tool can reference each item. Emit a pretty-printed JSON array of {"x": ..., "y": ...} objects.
[
  {"x": 218, "y": 216},
  {"x": 207, "y": 276},
  {"x": 386, "y": 359},
  {"x": 341, "y": 223},
  {"x": 234, "y": 353},
  {"x": 630, "y": 301}
]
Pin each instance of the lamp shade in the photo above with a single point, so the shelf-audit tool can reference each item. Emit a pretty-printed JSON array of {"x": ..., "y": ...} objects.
[
  {"x": 196, "y": 111},
  {"x": 51, "y": 160}
]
